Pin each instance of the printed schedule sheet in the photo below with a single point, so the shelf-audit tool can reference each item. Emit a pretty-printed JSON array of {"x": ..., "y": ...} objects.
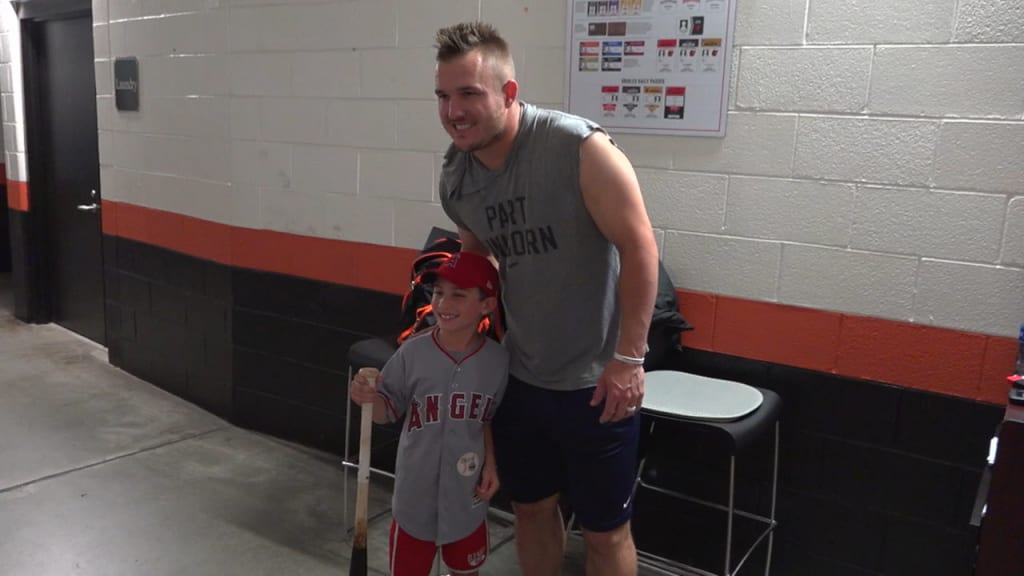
[{"x": 651, "y": 66}]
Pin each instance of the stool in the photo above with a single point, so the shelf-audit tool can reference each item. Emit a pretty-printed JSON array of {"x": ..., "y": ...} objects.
[{"x": 736, "y": 413}]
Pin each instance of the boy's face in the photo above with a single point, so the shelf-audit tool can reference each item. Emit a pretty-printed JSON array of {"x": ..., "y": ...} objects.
[{"x": 458, "y": 309}]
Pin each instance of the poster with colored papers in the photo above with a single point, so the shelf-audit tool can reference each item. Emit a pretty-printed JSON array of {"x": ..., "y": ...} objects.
[{"x": 651, "y": 66}]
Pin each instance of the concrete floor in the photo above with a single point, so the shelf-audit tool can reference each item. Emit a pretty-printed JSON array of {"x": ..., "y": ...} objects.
[{"x": 104, "y": 474}]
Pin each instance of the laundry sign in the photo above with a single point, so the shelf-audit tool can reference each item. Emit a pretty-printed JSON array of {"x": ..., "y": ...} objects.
[
  {"x": 126, "y": 83},
  {"x": 651, "y": 66}
]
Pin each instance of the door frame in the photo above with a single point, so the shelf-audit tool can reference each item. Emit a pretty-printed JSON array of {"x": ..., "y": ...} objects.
[
  {"x": 41, "y": 293},
  {"x": 52, "y": 9}
]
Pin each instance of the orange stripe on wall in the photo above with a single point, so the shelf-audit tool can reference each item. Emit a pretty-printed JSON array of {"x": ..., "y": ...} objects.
[
  {"x": 3, "y": 173},
  {"x": 17, "y": 195},
  {"x": 939, "y": 360},
  {"x": 371, "y": 266},
  {"x": 776, "y": 333}
]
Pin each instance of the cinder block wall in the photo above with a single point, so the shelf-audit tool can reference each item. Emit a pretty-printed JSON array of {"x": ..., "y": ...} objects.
[
  {"x": 13, "y": 165},
  {"x": 872, "y": 164},
  {"x": 6, "y": 111},
  {"x": 11, "y": 95}
]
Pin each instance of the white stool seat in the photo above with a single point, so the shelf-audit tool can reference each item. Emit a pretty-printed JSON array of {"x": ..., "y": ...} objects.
[{"x": 681, "y": 395}]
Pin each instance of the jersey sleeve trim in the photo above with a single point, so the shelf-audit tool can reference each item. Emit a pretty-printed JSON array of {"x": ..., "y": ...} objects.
[{"x": 392, "y": 413}]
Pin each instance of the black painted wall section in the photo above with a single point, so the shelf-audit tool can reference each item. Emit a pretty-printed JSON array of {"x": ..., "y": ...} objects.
[
  {"x": 169, "y": 321},
  {"x": 266, "y": 351},
  {"x": 875, "y": 479},
  {"x": 26, "y": 269},
  {"x": 291, "y": 371},
  {"x": 5, "y": 232}
]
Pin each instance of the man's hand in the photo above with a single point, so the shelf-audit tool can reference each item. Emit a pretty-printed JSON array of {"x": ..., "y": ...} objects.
[
  {"x": 488, "y": 484},
  {"x": 622, "y": 388}
]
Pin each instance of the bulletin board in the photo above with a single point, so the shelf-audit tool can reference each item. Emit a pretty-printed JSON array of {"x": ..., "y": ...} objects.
[{"x": 651, "y": 66}]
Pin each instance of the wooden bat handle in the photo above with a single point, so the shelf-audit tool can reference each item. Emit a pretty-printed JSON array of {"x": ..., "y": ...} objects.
[
  {"x": 358, "y": 565},
  {"x": 363, "y": 477}
]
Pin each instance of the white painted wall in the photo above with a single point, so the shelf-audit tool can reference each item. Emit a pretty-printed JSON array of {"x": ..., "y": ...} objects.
[
  {"x": 12, "y": 95},
  {"x": 874, "y": 162}
]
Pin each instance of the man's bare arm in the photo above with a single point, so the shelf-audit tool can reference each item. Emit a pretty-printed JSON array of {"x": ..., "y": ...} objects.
[{"x": 612, "y": 196}]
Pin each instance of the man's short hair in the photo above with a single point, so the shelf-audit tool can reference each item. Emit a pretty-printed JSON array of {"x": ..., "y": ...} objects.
[{"x": 460, "y": 39}]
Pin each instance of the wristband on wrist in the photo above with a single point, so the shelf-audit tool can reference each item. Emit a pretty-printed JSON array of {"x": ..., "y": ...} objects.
[{"x": 628, "y": 359}]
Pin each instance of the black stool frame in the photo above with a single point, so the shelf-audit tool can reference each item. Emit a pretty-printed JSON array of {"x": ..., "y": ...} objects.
[{"x": 668, "y": 566}]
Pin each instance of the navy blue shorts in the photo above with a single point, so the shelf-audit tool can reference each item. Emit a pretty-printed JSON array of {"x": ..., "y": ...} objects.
[{"x": 549, "y": 442}]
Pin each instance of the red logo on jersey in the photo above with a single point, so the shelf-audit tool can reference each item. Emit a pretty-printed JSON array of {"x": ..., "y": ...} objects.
[{"x": 473, "y": 406}]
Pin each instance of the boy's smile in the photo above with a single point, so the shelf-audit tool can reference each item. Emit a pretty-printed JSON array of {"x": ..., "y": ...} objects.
[{"x": 458, "y": 312}]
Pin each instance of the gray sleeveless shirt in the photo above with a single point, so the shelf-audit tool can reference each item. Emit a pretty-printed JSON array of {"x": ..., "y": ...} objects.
[{"x": 559, "y": 274}]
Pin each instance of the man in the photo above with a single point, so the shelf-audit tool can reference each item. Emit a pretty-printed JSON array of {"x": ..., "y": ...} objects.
[{"x": 552, "y": 199}]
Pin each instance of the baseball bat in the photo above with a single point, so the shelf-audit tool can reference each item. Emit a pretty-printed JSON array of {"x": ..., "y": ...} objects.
[{"x": 357, "y": 566}]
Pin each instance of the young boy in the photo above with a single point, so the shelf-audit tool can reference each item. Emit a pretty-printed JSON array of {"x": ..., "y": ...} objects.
[{"x": 447, "y": 382}]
